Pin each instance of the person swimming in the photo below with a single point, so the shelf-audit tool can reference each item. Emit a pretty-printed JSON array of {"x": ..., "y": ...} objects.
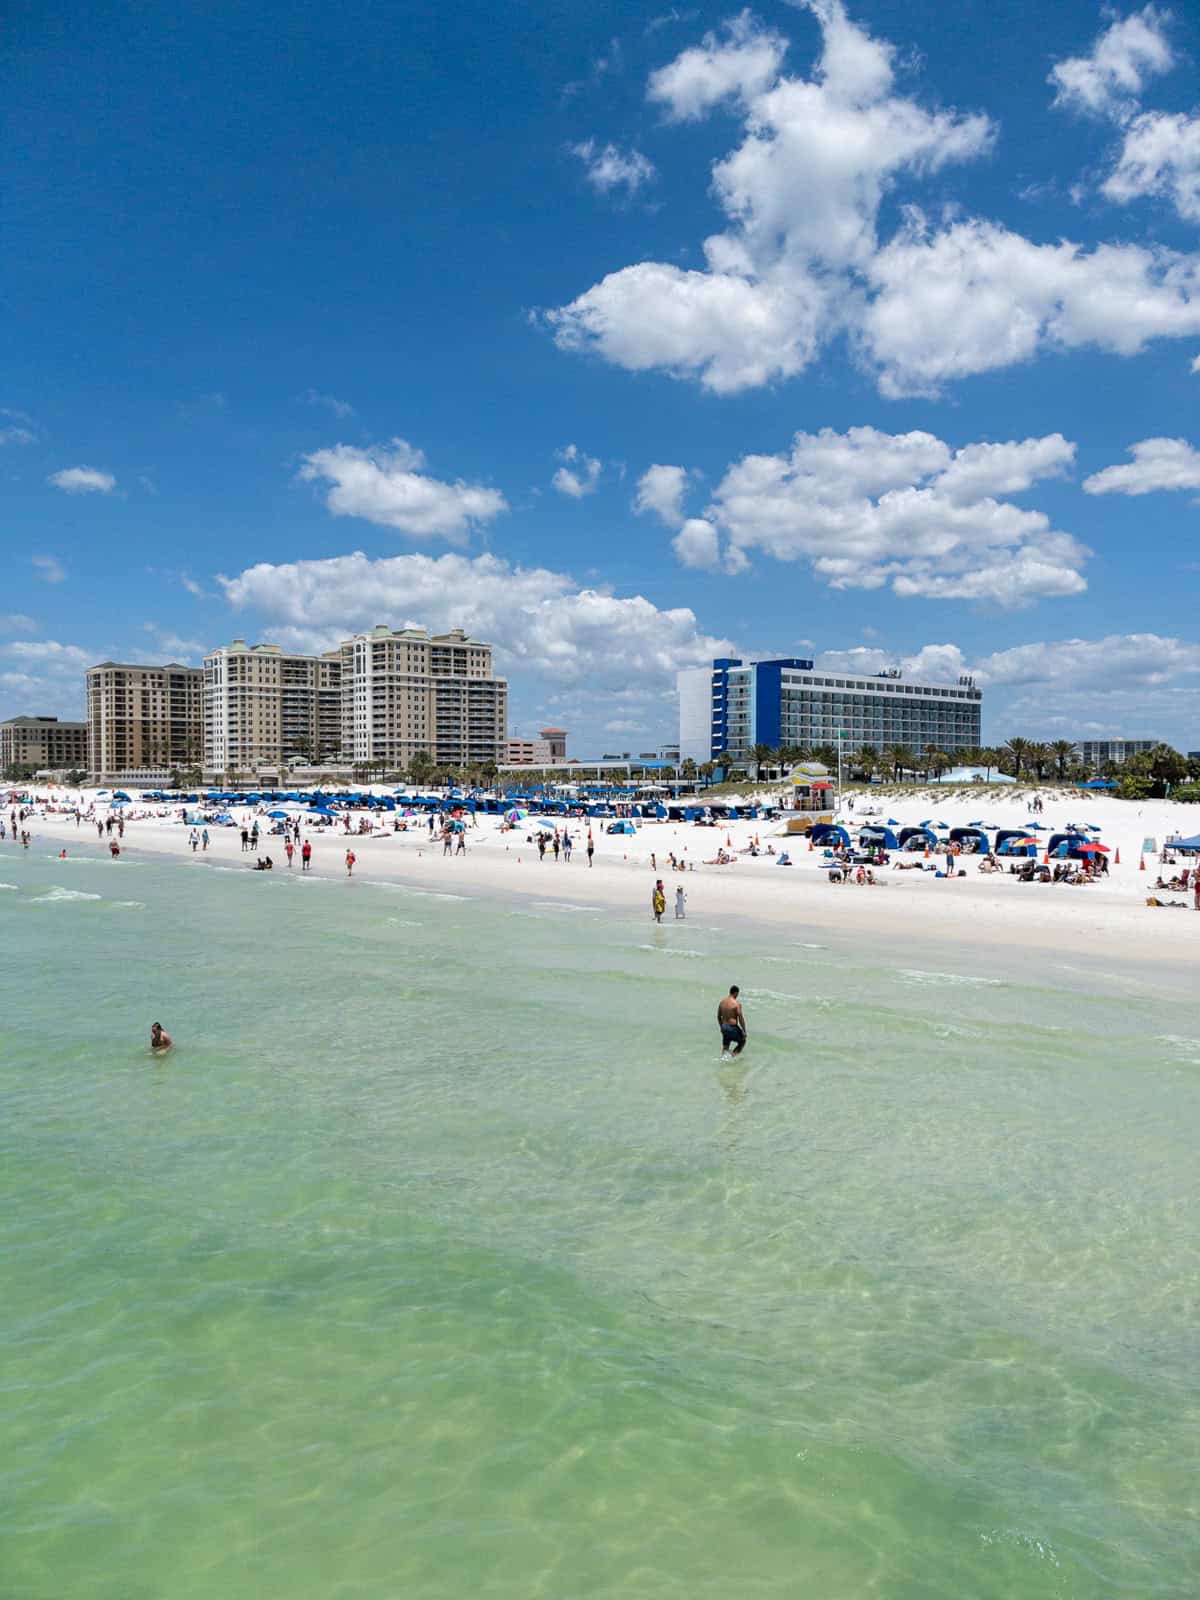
[{"x": 160, "y": 1039}]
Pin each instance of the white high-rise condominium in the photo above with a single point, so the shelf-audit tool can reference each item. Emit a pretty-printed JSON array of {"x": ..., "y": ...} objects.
[
  {"x": 267, "y": 707},
  {"x": 405, "y": 691}
]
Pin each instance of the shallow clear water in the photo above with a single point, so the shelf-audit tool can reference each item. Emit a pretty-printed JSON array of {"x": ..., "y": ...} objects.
[{"x": 443, "y": 1257}]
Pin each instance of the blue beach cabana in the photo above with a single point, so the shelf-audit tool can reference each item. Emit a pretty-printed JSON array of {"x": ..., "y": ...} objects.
[
  {"x": 921, "y": 838},
  {"x": 876, "y": 836},
  {"x": 830, "y": 834},
  {"x": 1011, "y": 842},
  {"x": 971, "y": 835}
]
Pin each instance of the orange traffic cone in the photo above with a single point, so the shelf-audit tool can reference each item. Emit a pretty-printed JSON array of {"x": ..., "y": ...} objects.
[
  {"x": 1141, "y": 863},
  {"x": 1117, "y": 857}
]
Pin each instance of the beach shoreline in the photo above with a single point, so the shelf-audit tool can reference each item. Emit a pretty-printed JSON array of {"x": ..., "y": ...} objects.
[{"x": 1106, "y": 920}]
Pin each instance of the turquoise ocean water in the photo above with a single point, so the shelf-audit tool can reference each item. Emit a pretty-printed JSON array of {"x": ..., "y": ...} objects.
[{"x": 444, "y": 1258}]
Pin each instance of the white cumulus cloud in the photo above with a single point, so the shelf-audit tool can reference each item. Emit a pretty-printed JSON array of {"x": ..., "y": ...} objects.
[
  {"x": 608, "y": 167},
  {"x": 580, "y": 476},
  {"x": 49, "y": 568},
  {"x": 1156, "y": 464},
  {"x": 801, "y": 259},
  {"x": 83, "y": 480},
  {"x": 742, "y": 61},
  {"x": 661, "y": 489},
  {"x": 867, "y": 509},
  {"x": 384, "y": 484},
  {"x": 542, "y": 622},
  {"x": 1109, "y": 79},
  {"x": 975, "y": 296},
  {"x": 1160, "y": 156}
]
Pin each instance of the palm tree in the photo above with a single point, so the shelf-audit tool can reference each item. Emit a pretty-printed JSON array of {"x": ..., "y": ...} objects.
[
  {"x": 1039, "y": 757},
  {"x": 865, "y": 761},
  {"x": 1063, "y": 752},
  {"x": 932, "y": 753},
  {"x": 900, "y": 759},
  {"x": 1015, "y": 752},
  {"x": 762, "y": 756},
  {"x": 707, "y": 769}
]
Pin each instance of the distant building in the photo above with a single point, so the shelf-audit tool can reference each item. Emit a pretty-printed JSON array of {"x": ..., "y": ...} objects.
[
  {"x": 556, "y": 738},
  {"x": 143, "y": 720},
  {"x": 527, "y": 752},
  {"x": 728, "y": 708},
  {"x": 43, "y": 744},
  {"x": 1095, "y": 752},
  {"x": 266, "y": 707},
  {"x": 405, "y": 692}
]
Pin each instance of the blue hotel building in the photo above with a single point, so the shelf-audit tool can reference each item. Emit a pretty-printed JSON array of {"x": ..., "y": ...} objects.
[{"x": 728, "y": 708}]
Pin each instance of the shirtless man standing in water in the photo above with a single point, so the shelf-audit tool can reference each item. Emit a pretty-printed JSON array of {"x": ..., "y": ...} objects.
[
  {"x": 160, "y": 1039},
  {"x": 732, "y": 1022}
]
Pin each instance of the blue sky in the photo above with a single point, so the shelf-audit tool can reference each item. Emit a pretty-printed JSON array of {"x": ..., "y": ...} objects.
[{"x": 619, "y": 337}]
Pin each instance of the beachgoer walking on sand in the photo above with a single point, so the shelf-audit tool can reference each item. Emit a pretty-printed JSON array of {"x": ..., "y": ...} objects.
[
  {"x": 658, "y": 901},
  {"x": 566, "y": 846},
  {"x": 591, "y": 849},
  {"x": 731, "y": 1020},
  {"x": 680, "y": 904},
  {"x": 289, "y": 851},
  {"x": 194, "y": 840},
  {"x": 556, "y": 846},
  {"x": 306, "y": 855},
  {"x": 350, "y": 860},
  {"x": 461, "y": 848},
  {"x": 204, "y": 838},
  {"x": 245, "y": 839}
]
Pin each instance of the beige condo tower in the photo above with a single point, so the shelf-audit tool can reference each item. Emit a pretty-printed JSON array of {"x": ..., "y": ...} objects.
[
  {"x": 143, "y": 719},
  {"x": 408, "y": 691},
  {"x": 267, "y": 707}
]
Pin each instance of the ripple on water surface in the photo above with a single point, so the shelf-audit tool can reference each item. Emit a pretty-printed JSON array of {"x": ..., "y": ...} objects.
[{"x": 449, "y": 1260}]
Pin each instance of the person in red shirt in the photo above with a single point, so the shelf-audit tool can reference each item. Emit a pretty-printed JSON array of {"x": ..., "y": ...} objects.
[
  {"x": 289, "y": 850},
  {"x": 305, "y": 855},
  {"x": 350, "y": 860}
]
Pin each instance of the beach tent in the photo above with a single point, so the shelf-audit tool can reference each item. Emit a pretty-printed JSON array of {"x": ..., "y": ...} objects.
[
  {"x": 1015, "y": 842},
  {"x": 876, "y": 834},
  {"x": 1099, "y": 783},
  {"x": 964, "y": 835},
  {"x": 918, "y": 838},
  {"x": 830, "y": 833},
  {"x": 1185, "y": 844},
  {"x": 621, "y": 827}
]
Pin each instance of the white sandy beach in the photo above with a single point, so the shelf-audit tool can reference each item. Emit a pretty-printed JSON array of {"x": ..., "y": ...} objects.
[{"x": 1107, "y": 918}]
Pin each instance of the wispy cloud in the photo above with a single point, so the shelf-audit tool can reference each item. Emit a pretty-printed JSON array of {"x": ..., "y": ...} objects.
[
  {"x": 608, "y": 167},
  {"x": 83, "y": 480},
  {"x": 49, "y": 568},
  {"x": 172, "y": 645},
  {"x": 580, "y": 477},
  {"x": 16, "y": 427},
  {"x": 326, "y": 402}
]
